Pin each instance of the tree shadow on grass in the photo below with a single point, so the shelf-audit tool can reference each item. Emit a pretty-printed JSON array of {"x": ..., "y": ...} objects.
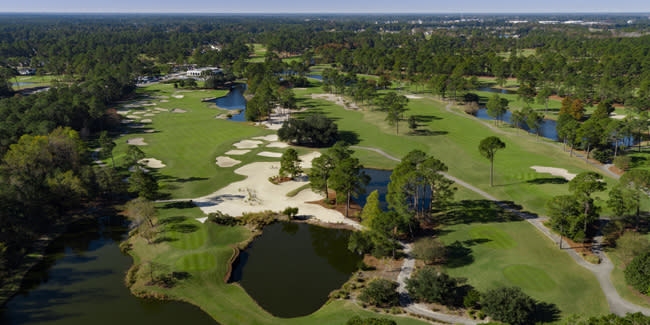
[
  {"x": 173, "y": 220},
  {"x": 546, "y": 313},
  {"x": 426, "y": 118},
  {"x": 458, "y": 255},
  {"x": 164, "y": 239},
  {"x": 468, "y": 211},
  {"x": 179, "y": 205},
  {"x": 349, "y": 137},
  {"x": 548, "y": 180},
  {"x": 185, "y": 228},
  {"x": 425, "y": 132}
]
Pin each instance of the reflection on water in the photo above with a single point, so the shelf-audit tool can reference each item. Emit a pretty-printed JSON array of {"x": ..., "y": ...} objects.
[
  {"x": 234, "y": 100},
  {"x": 292, "y": 267},
  {"x": 81, "y": 281}
]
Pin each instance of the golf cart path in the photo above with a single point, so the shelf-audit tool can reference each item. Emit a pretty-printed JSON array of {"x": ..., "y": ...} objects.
[{"x": 602, "y": 271}]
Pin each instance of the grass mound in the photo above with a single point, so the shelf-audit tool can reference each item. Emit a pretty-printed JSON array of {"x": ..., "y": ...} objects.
[
  {"x": 197, "y": 262},
  {"x": 490, "y": 236},
  {"x": 529, "y": 277}
]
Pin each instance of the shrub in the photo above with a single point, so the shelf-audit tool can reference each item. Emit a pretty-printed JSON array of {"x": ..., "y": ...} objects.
[
  {"x": 622, "y": 162},
  {"x": 430, "y": 250},
  {"x": 381, "y": 293},
  {"x": 631, "y": 244},
  {"x": 602, "y": 155},
  {"x": 472, "y": 299},
  {"x": 223, "y": 219},
  {"x": 637, "y": 273},
  {"x": 509, "y": 305},
  {"x": 471, "y": 108},
  {"x": 312, "y": 131},
  {"x": 356, "y": 320},
  {"x": 259, "y": 219},
  {"x": 429, "y": 285}
]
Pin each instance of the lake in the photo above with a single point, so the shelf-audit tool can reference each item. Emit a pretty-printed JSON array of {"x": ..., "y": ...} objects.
[
  {"x": 81, "y": 281},
  {"x": 234, "y": 100},
  {"x": 292, "y": 267}
]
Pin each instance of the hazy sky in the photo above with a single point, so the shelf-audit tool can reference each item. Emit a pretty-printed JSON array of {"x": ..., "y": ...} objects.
[{"x": 326, "y": 6}]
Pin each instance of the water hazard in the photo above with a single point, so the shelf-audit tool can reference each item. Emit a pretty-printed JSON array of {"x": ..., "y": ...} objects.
[
  {"x": 234, "y": 100},
  {"x": 292, "y": 267}
]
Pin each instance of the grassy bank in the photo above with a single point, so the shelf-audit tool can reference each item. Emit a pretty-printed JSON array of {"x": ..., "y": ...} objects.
[{"x": 204, "y": 252}]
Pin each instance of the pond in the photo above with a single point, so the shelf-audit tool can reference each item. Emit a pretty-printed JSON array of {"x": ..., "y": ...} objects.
[
  {"x": 379, "y": 180},
  {"x": 496, "y": 90},
  {"x": 292, "y": 267},
  {"x": 81, "y": 281},
  {"x": 234, "y": 100},
  {"x": 19, "y": 84},
  {"x": 315, "y": 76},
  {"x": 547, "y": 129}
]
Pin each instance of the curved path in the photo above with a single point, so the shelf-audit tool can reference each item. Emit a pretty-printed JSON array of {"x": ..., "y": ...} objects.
[{"x": 602, "y": 271}]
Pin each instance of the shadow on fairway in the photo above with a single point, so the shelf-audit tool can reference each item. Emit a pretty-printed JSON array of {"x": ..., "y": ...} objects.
[
  {"x": 468, "y": 211},
  {"x": 550, "y": 180}
]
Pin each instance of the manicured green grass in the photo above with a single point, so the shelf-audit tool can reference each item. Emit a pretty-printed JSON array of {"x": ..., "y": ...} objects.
[
  {"x": 207, "y": 266},
  {"x": 618, "y": 279},
  {"x": 529, "y": 277},
  {"x": 36, "y": 81},
  {"x": 188, "y": 143},
  {"x": 492, "y": 237},
  {"x": 529, "y": 260},
  {"x": 454, "y": 139}
]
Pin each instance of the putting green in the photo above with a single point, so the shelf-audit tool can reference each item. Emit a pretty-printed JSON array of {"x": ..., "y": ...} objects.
[
  {"x": 529, "y": 277},
  {"x": 490, "y": 236},
  {"x": 197, "y": 262}
]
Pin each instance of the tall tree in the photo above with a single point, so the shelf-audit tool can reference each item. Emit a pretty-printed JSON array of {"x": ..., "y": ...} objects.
[
  {"x": 349, "y": 179},
  {"x": 107, "y": 145},
  {"x": 290, "y": 164},
  {"x": 497, "y": 107},
  {"x": 488, "y": 149},
  {"x": 583, "y": 185}
]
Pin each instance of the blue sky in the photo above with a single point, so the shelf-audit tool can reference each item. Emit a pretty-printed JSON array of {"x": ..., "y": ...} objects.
[{"x": 326, "y": 6}]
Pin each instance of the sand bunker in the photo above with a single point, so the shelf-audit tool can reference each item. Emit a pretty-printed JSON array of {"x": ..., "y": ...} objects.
[
  {"x": 149, "y": 131},
  {"x": 237, "y": 152},
  {"x": 138, "y": 113},
  {"x": 164, "y": 101},
  {"x": 178, "y": 110},
  {"x": 133, "y": 116},
  {"x": 123, "y": 111},
  {"x": 277, "y": 145},
  {"x": 617, "y": 117},
  {"x": 161, "y": 109},
  {"x": 413, "y": 97},
  {"x": 136, "y": 142},
  {"x": 149, "y": 104},
  {"x": 270, "y": 137},
  {"x": 147, "y": 120},
  {"x": 270, "y": 154},
  {"x": 223, "y": 161},
  {"x": 561, "y": 172},
  {"x": 178, "y": 96},
  {"x": 126, "y": 121},
  {"x": 247, "y": 144},
  {"x": 255, "y": 194},
  {"x": 149, "y": 114},
  {"x": 151, "y": 162},
  {"x": 202, "y": 220}
]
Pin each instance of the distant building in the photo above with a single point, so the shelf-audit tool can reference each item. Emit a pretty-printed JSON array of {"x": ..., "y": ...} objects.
[
  {"x": 27, "y": 72},
  {"x": 199, "y": 72}
]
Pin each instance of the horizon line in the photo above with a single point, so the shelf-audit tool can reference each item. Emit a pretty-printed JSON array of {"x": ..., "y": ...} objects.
[{"x": 135, "y": 12}]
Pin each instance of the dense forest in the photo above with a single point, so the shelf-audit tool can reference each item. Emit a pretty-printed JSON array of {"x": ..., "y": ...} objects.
[{"x": 44, "y": 137}]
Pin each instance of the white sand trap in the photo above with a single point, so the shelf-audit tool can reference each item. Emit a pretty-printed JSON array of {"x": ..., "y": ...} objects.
[
  {"x": 161, "y": 109},
  {"x": 247, "y": 144},
  {"x": 149, "y": 131},
  {"x": 126, "y": 121},
  {"x": 123, "y": 111},
  {"x": 151, "y": 162},
  {"x": 223, "y": 161},
  {"x": 277, "y": 145},
  {"x": 413, "y": 97},
  {"x": 202, "y": 220},
  {"x": 133, "y": 116},
  {"x": 270, "y": 154},
  {"x": 149, "y": 104},
  {"x": 270, "y": 137},
  {"x": 178, "y": 96},
  {"x": 164, "y": 101},
  {"x": 554, "y": 171},
  {"x": 147, "y": 120},
  {"x": 237, "y": 152},
  {"x": 617, "y": 117},
  {"x": 149, "y": 114},
  {"x": 130, "y": 105},
  {"x": 138, "y": 113},
  {"x": 178, "y": 110},
  {"x": 136, "y": 142},
  {"x": 255, "y": 194}
]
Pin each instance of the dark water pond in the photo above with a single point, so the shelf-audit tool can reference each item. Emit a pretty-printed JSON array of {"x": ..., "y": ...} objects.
[
  {"x": 234, "y": 100},
  {"x": 496, "y": 90},
  {"x": 81, "y": 281},
  {"x": 547, "y": 129},
  {"x": 315, "y": 76},
  {"x": 18, "y": 84},
  {"x": 292, "y": 267},
  {"x": 379, "y": 180}
]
